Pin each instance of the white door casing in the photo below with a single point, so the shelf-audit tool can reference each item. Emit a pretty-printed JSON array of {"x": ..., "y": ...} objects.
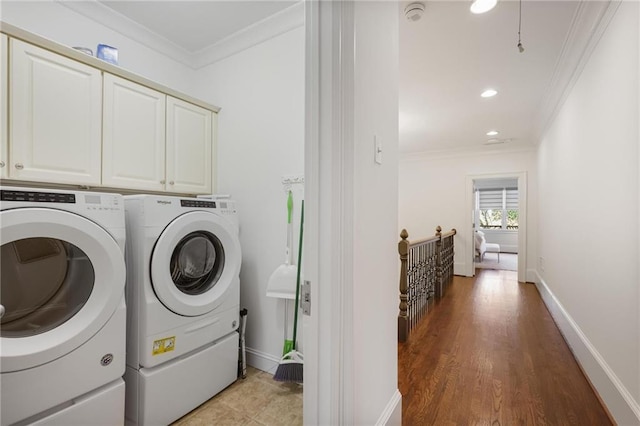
[{"x": 469, "y": 248}]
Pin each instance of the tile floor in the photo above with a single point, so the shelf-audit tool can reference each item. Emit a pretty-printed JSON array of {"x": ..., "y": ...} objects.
[{"x": 257, "y": 400}]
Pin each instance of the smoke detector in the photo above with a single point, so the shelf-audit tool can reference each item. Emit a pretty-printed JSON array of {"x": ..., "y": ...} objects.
[{"x": 414, "y": 11}]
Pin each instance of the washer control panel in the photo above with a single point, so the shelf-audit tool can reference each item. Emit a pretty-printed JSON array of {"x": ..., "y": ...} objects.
[{"x": 37, "y": 197}]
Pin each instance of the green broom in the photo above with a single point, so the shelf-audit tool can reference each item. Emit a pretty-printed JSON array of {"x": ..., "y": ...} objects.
[{"x": 290, "y": 368}]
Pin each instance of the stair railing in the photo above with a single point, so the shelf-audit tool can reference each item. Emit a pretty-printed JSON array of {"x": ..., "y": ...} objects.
[{"x": 426, "y": 269}]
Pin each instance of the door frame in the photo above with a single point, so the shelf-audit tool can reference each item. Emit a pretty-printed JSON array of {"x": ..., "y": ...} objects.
[
  {"x": 329, "y": 227},
  {"x": 469, "y": 269}
]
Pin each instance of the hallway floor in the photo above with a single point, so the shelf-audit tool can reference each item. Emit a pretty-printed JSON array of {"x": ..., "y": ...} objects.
[{"x": 489, "y": 353}]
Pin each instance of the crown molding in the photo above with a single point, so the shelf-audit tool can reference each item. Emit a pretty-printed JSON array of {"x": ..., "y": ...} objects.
[
  {"x": 279, "y": 23},
  {"x": 270, "y": 27},
  {"x": 589, "y": 23},
  {"x": 108, "y": 17},
  {"x": 464, "y": 152}
]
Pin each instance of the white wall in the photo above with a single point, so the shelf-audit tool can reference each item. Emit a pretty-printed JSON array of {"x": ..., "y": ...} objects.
[
  {"x": 375, "y": 265},
  {"x": 260, "y": 140},
  {"x": 58, "y": 23},
  {"x": 433, "y": 192},
  {"x": 588, "y": 216}
]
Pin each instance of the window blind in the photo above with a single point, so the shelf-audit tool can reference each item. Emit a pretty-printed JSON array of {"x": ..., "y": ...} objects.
[
  {"x": 512, "y": 199},
  {"x": 490, "y": 199},
  {"x": 496, "y": 199}
]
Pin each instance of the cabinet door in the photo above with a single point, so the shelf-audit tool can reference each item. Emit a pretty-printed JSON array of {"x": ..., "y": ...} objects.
[
  {"x": 55, "y": 112},
  {"x": 133, "y": 129},
  {"x": 189, "y": 147},
  {"x": 4, "y": 132}
]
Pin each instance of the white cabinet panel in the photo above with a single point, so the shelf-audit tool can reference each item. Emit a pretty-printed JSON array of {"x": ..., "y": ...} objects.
[
  {"x": 189, "y": 147},
  {"x": 55, "y": 113},
  {"x": 4, "y": 132},
  {"x": 133, "y": 150}
]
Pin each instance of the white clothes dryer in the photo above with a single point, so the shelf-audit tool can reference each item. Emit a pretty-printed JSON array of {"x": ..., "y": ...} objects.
[
  {"x": 62, "y": 313},
  {"x": 183, "y": 295}
]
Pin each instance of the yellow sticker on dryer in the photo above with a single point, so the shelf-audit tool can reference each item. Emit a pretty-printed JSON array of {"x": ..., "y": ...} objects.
[{"x": 164, "y": 345}]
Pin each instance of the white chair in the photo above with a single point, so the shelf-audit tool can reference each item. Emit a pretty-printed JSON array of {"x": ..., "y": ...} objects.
[
  {"x": 482, "y": 246},
  {"x": 493, "y": 248}
]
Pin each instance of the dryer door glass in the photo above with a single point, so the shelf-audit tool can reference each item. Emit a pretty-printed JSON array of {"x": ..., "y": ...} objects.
[
  {"x": 197, "y": 263},
  {"x": 44, "y": 282}
]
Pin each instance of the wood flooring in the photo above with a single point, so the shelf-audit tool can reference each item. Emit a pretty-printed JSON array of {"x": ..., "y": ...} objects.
[{"x": 489, "y": 353}]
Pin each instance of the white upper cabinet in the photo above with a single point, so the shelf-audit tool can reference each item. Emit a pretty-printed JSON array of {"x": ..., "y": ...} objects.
[
  {"x": 133, "y": 146},
  {"x": 55, "y": 114},
  {"x": 189, "y": 147},
  {"x": 4, "y": 132}
]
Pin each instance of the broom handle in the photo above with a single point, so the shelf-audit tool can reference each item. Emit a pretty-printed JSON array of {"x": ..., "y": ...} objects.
[{"x": 297, "y": 308}]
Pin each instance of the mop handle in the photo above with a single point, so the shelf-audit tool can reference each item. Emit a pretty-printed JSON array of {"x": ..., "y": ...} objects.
[{"x": 297, "y": 308}]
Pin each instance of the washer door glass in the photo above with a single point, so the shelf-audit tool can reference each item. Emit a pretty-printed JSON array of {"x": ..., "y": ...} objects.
[
  {"x": 197, "y": 263},
  {"x": 43, "y": 282}
]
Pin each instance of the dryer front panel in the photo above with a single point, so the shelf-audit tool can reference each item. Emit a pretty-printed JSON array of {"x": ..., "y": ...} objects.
[
  {"x": 194, "y": 263},
  {"x": 62, "y": 278}
]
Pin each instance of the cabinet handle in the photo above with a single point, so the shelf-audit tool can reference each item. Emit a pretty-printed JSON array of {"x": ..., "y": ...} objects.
[
  {"x": 19, "y": 166},
  {"x": 1, "y": 164},
  {"x": 162, "y": 181},
  {"x": 170, "y": 182}
]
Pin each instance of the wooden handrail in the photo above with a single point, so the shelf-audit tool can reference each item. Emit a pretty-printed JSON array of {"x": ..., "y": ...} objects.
[{"x": 426, "y": 267}]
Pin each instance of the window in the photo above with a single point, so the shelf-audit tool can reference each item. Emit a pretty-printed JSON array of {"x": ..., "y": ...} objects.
[{"x": 497, "y": 208}]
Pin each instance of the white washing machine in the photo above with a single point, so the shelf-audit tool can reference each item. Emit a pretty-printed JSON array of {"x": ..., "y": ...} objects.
[
  {"x": 183, "y": 298},
  {"x": 62, "y": 313}
]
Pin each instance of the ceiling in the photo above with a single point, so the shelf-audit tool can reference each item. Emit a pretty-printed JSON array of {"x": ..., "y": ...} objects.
[
  {"x": 196, "y": 25},
  {"x": 447, "y": 59},
  {"x": 450, "y": 56}
]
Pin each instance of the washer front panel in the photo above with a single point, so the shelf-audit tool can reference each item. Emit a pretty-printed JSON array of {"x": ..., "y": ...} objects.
[
  {"x": 66, "y": 308},
  {"x": 194, "y": 262}
]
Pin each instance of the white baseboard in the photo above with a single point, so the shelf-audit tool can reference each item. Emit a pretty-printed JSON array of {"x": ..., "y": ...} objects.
[
  {"x": 392, "y": 414},
  {"x": 532, "y": 276},
  {"x": 262, "y": 361},
  {"x": 619, "y": 401},
  {"x": 458, "y": 268}
]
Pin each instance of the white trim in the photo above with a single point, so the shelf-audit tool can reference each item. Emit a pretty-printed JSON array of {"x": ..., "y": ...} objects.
[
  {"x": 614, "y": 394},
  {"x": 108, "y": 17},
  {"x": 315, "y": 354},
  {"x": 469, "y": 249},
  {"x": 392, "y": 414},
  {"x": 458, "y": 268},
  {"x": 270, "y": 27},
  {"x": 532, "y": 276},
  {"x": 262, "y": 360},
  {"x": 329, "y": 183},
  {"x": 342, "y": 183},
  {"x": 589, "y": 24},
  {"x": 463, "y": 152}
]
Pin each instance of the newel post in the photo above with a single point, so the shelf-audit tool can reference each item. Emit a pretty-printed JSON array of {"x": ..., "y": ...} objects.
[
  {"x": 439, "y": 262},
  {"x": 403, "y": 319}
]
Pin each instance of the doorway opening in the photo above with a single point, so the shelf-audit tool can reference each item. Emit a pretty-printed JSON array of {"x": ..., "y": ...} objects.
[
  {"x": 496, "y": 223},
  {"x": 497, "y": 205}
]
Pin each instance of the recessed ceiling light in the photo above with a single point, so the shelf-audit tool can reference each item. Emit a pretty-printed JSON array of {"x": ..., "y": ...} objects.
[
  {"x": 482, "y": 6},
  {"x": 489, "y": 93},
  {"x": 492, "y": 133}
]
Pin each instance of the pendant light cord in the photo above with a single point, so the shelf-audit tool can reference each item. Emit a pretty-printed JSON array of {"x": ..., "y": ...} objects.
[{"x": 519, "y": 29}]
